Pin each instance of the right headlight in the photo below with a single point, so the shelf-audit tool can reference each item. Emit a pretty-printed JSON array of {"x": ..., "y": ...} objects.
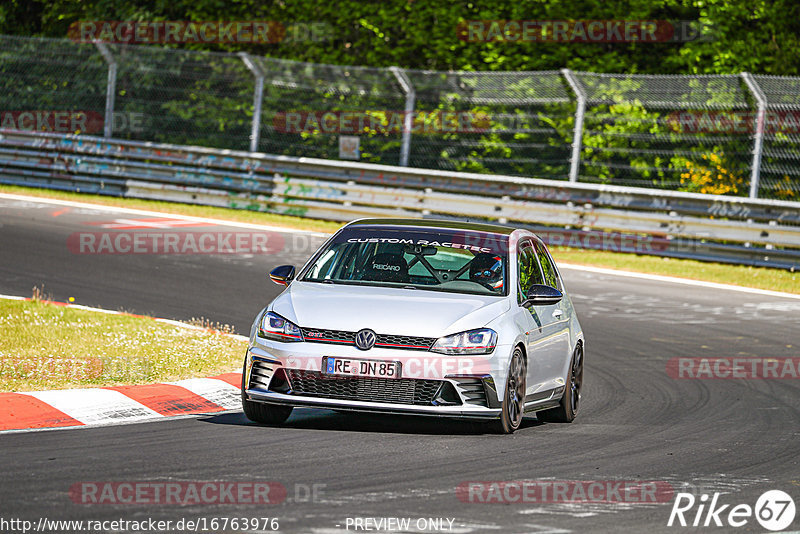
[
  {"x": 273, "y": 326},
  {"x": 480, "y": 341}
]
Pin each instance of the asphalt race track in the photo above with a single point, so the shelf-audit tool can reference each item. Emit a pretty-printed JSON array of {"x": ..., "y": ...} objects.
[{"x": 737, "y": 437}]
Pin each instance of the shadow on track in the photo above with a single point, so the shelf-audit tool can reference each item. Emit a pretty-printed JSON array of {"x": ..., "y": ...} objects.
[{"x": 310, "y": 419}]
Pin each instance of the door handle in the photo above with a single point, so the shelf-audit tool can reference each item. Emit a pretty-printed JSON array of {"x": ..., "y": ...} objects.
[{"x": 557, "y": 314}]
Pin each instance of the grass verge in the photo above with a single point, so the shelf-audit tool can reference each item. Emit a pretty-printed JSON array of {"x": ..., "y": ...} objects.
[
  {"x": 756, "y": 277},
  {"x": 47, "y": 346}
]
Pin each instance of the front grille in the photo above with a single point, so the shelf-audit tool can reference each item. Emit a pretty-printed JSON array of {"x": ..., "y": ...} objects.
[
  {"x": 403, "y": 342},
  {"x": 315, "y": 335},
  {"x": 343, "y": 337},
  {"x": 389, "y": 390}
]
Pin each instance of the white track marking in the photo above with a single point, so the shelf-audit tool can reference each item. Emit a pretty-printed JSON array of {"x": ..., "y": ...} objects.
[
  {"x": 172, "y": 322},
  {"x": 88, "y": 308},
  {"x": 119, "y": 422},
  {"x": 95, "y": 406},
  {"x": 214, "y": 390},
  {"x": 600, "y": 270},
  {"x": 675, "y": 280},
  {"x": 133, "y": 211}
]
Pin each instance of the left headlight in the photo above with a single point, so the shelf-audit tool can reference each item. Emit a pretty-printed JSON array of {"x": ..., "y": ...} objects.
[
  {"x": 480, "y": 341},
  {"x": 273, "y": 326}
]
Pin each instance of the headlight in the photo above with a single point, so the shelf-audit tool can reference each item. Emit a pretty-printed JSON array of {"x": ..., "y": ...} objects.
[
  {"x": 480, "y": 341},
  {"x": 273, "y": 326}
]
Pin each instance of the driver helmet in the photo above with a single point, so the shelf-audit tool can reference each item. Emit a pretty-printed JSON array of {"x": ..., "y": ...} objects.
[{"x": 487, "y": 269}]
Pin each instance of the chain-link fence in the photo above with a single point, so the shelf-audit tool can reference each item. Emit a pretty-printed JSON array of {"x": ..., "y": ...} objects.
[{"x": 734, "y": 134}]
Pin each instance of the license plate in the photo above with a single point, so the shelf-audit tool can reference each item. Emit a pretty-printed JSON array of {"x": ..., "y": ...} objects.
[{"x": 365, "y": 368}]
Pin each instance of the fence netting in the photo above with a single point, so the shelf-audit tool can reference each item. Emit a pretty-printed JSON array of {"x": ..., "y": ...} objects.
[
  {"x": 689, "y": 133},
  {"x": 683, "y": 133}
]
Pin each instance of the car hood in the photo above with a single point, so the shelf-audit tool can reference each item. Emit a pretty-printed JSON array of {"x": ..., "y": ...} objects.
[{"x": 398, "y": 311}]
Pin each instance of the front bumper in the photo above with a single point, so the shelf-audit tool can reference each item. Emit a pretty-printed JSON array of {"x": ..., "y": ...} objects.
[
  {"x": 289, "y": 374},
  {"x": 376, "y": 407}
]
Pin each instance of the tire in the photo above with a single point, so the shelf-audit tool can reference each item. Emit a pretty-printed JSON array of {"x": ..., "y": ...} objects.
[
  {"x": 268, "y": 414},
  {"x": 570, "y": 402},
  {"x": 513, "y": 406}
]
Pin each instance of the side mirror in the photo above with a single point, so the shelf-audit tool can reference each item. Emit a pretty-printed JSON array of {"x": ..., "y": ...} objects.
[
  {"x": 282, "y": 275},
  {"x": 539, "y": 295}
]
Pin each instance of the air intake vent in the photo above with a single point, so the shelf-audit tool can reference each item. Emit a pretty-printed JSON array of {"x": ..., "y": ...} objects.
[
  {"x": 472, "y": 390},
  {"x": 261, "y": 374}
]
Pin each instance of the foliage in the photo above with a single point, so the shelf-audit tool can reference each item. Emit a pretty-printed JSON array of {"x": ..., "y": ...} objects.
[
  {"x": 759, "y": 36},
  {"x": 713, "y": 177},
  {"x": 208, "y": 100}
]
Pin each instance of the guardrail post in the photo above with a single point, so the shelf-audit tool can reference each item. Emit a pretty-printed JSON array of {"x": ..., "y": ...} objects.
[
  {"x": 577, "y": 136},
  {"x": 258, "y": 97},
  {"x": 408, "y": 119},
  {"x": 111, "y": 88},
  {"x": 758, "y": 141}
]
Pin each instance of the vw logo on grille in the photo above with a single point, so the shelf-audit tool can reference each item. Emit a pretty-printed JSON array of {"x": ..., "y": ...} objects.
[{"x": 365, "y": 339}]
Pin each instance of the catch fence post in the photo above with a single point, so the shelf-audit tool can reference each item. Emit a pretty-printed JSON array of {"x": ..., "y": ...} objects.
[
  {"x": 258, "y": 96},
  {"x": 111, "y": 88},
  {"x": 408, "y": 119},
  {"x": 580, "y": 111}
]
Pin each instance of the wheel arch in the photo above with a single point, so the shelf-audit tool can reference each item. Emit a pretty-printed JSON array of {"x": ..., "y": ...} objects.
[{"x": 521, "y": 346}]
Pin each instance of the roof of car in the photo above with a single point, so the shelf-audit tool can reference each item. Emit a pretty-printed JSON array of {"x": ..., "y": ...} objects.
[{"x": 435, "y": 223}]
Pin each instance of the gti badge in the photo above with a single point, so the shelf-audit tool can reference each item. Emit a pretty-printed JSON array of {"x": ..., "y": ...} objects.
[{"x": 365, "y": 339}]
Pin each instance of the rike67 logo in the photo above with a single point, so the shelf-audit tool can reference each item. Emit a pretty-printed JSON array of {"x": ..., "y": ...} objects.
[{"x": 774, "y": 510}]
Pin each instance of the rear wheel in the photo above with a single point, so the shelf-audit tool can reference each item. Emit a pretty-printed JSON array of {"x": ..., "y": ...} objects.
[
  {"x": 513, "y": 407},
  {"x": 268, "y": 414},
  {"x": 568, "y": 408}
]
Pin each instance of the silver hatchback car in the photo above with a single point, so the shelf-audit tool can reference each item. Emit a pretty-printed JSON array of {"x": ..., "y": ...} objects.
[{"x": 413, "y": 316}]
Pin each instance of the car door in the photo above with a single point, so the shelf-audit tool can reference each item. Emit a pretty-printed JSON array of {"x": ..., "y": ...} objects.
[
  {"x": 557, "y": 315},
  {"x": 540, "y": 328}
]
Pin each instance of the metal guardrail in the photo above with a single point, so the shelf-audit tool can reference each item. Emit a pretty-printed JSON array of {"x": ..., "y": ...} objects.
[{"x": 667, "y": 223}]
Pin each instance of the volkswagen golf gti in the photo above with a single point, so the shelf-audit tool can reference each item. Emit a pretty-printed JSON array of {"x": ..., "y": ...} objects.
[{"x": 418, "y": 316}]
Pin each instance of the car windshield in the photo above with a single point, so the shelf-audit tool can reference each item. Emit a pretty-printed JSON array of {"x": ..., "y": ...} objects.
[{"x": 434, "y": 259}]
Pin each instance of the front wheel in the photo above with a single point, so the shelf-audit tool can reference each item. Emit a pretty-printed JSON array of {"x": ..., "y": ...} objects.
[
  {"x": 513, "y": 407},
  {"x": 566, "y": 411},
  {"x": 268, "y": 414}
]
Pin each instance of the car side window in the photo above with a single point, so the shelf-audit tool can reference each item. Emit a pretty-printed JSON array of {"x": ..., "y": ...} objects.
[
  {"x": 550, "y": 276},
  {"x": 529, "y": 273}
]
